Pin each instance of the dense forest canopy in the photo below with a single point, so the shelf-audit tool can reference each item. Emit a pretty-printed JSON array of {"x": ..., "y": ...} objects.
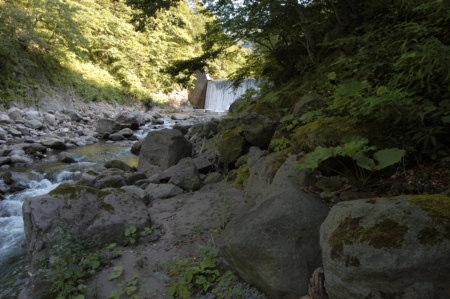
[{"x": 92, "y": 48}]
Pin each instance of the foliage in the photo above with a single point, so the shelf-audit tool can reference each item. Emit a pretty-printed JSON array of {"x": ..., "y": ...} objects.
[
  {"x": 199, "y": 275},
  {"x": 354, "y": 147},
  {"x": 133, "y": 236},
  {"x": 128, "y": 289},
  {"x": 72, "y": 261}
]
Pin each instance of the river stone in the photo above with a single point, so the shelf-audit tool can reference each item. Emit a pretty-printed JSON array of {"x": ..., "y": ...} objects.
[
  {"x": 186, "y": 175},
  {"x": 34, "y": 148},
  {"x": 14, "y": 113},
  {"x": 14, "y": 132},
  {"x": 74, "y": 116},
  {"x": 54, "y": 143},
  {"x": 178, "y": 116},
  {"x": 131, "y": 120},
  {"x": 16, "y": 152},
  {"x": 39, "y": 286},
  {"x": 163, "y": 148},
  {"x": 18, "y": 186},
  {"x": 273, "y": 242},
  {"x": 126, "y": 133},
  {"x": 142, "y": 194},
  {"x": 163, "y": 190},
  {"x": 70, "y": 157},
  {"x": 115, "y": 137},
  {"x": 119, "y": 165},
  {"x": 203, "y": 164},
  {"x": 33, "y": 124},
  {"x": 10, "y": 177},
  {"x": 88, "y": 213},
  {"x": 109, "y": 126},
  {"x": 16, "y": 159},
  {"x": 157, "y": 121},
  {"x": 5, "y": 160},
  {"x": 136, "y": 147},
  {"x": 388, "y": 248},
  {"x": 110, "y": 181},
  {"x": 49, "y": 119},
  {"x": 4, "y": 119}
]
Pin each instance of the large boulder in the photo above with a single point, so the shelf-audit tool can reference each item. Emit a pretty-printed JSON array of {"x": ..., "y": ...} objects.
[
  {"x": 186, "y": 175},
  {"x": 273, "y": 243},
  {"x": 231, "y": 146},
  {"x": 163, "y": 149},
  {"x": 258, "y": 128},
  {"x": 388, "y": 248},
  {"x": 163, "y": 190},
  {"x": 262, "y": 168},
  {"x": 87, "y": 212}
]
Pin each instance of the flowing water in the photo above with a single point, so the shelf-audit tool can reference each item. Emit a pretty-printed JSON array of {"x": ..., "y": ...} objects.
[
  {"x": 46, "y": 175},
  {"x": 220, "y": 94}
]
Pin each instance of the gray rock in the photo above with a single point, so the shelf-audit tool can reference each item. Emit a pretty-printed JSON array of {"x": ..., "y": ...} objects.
[
  {"x": 273, "y": 242},
  {"x": 10, "y": 177},
  {"x": 136, "y": 147},
  {"x": 107, "y": 126},
  {"x": 54, "y": 143},
  {"x": 258, "y": 129},
  {"x": 14, "y": 132},
  {"x": 70, "y": 157},
  {"x": 142, "y": 194},
  {"x": 18, "y": 186},
  {"x": 15, "y": 113},
  {"x": 87, "y": 212},
  {"x": 33, "y": 124},
  {"x": 119, "y": 165},
  {"x": 163, "y": 149},
  {"x": 16, "y": 159},
  {"x": 179, "y": 116},
  {"x": 74, "y": 116},
  {"x": 131, "y": 120},
  {"x": 213, "y": 177},
  {"x": 116, "y": 137},
  {"x": 387, "y": 248},
  {"x": 163, "y": 190},
  {"x": 186, "y": 175},
  {"x": 133, "y": 177},
  {"x": 203, "y": 164},
  {"x": 4, "y": 119},
  {"x": 126, "y": 133}
]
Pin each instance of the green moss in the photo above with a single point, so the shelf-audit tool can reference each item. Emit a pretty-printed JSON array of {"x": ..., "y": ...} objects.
[
  {"x": 230, "y": 146},
  {"x": 238, "y": 178},
  {"x": 264, "y": 109},
  {"x": 107, "y": 207},
  {"x": 437, "y": 207},
  {"x": 75, "y": 191},
  {"x": 387, "y": 234}
]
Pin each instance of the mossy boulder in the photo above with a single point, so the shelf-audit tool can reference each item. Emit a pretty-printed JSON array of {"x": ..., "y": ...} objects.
[
  {"x": 230, "y": 146},
  {"x": 388, "y": 248},
  {"x": 329, "y": 132},
  {"x": 87, "y": 212},
  {"x": 259, "y": 122}
]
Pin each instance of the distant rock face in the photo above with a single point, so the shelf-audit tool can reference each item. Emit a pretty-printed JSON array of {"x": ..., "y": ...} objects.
[
  {"x": 273, "y": 243},
  {"x": 388, "y": 248},
  {"x": 88, "y": 212},
  {"x": 163, "y": 149}
]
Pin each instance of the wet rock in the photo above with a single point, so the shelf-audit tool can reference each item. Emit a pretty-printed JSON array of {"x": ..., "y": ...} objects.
[
  {"x": 54, "y": 143},
  {"x": 179, "y": 117},
  {"x": 70, "y": 157},
  {"x": 116, "y": 137},
  {"x": 136, "y": 147},
  {"x": 119, "y": 165}
]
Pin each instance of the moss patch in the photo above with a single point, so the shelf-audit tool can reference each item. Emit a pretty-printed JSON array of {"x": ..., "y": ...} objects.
[
  {"x": 75, "y": 191},
  {"x": 238, "y": 178},
  {"x": 387, "y": 234},
  {"x": 230, "y": 146},
  {"x": 264, "y": 109},
  {"x": 437, "y": 207}
]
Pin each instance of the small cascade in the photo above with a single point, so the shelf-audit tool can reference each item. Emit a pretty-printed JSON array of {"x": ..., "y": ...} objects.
[{"x": 220, "y": 94}]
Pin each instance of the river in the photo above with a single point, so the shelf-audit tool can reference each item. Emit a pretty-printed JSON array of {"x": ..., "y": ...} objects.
[{"x": 46, "y": 175}]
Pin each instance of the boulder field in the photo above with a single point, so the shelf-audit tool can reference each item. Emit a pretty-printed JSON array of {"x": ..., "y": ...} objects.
[{"x": 217, "y": 183}]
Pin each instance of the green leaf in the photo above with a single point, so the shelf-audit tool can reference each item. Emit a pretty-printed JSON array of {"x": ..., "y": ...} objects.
[
  {"x": 116, "y": 273},
  {"x": 130, "y": 230},
  {"x": 364, "y": 162},
  {"x": 172, "y": 288},
  {"x": 446, "y": 119},
  {"x": 287, "y": 118},
  {"x": 331, "y": 76},
  {"x": 388, "y": 157},
  {"x": 130, "y": 289},
  {"x": 184, "y": 291}
]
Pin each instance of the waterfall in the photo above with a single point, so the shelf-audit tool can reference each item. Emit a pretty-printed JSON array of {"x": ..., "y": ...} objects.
[{"x": 220, "y": 94}]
